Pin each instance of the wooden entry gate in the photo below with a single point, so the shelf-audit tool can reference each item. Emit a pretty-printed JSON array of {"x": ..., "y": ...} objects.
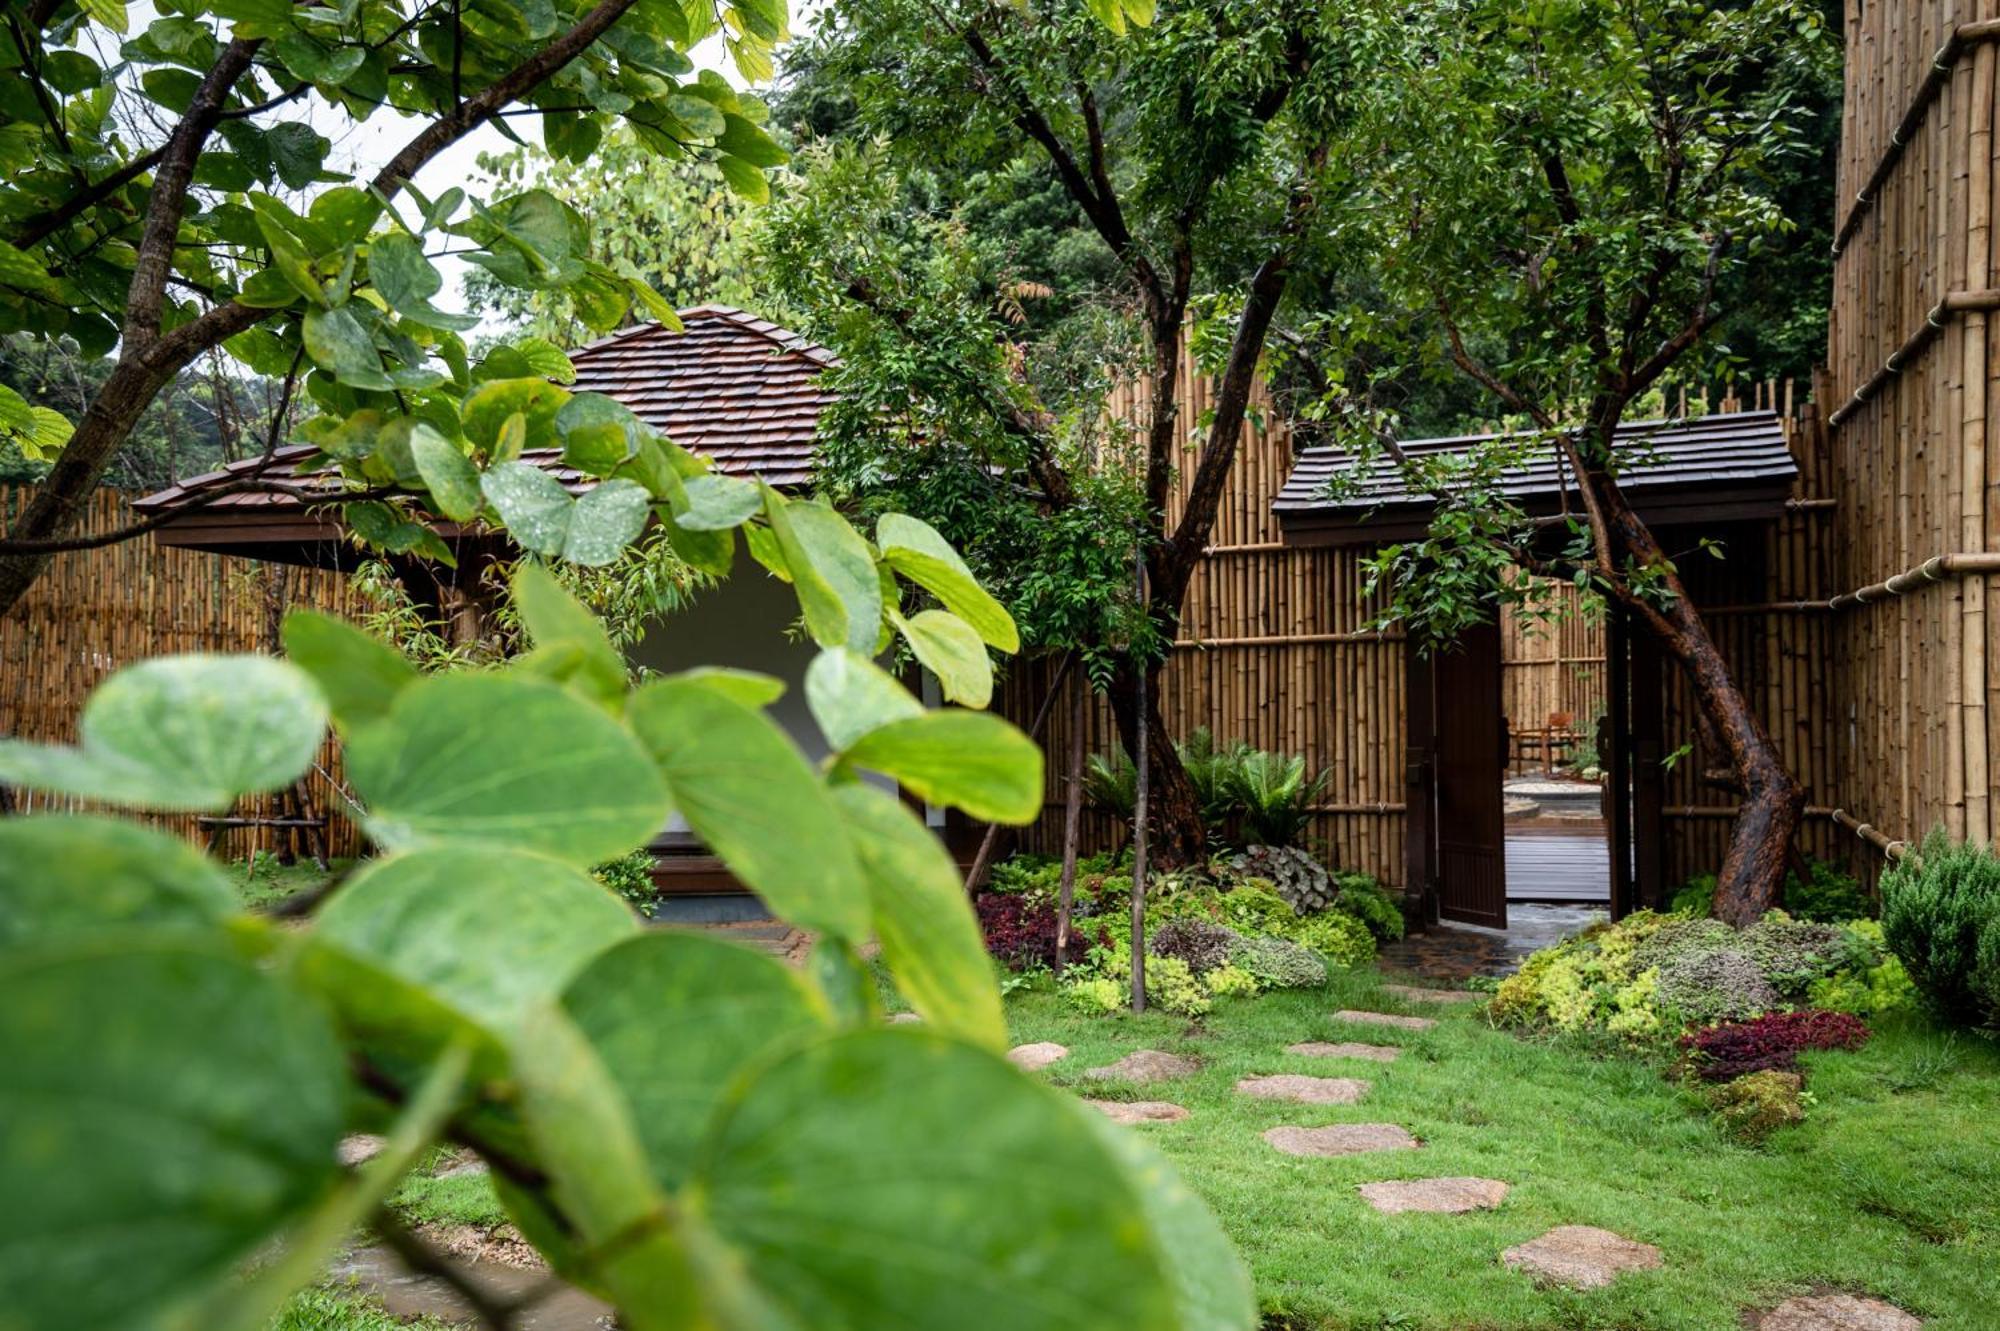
[{"x": 1456, "y": 746}]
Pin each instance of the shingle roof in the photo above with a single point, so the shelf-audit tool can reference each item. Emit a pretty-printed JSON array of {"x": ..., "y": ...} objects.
[
  {"x": 1728, "y": 465},
  {"x": 738, "y": 388}
]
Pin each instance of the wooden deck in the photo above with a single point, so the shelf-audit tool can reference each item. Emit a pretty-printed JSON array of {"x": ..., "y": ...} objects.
[{"x": 1559, "y": 861}]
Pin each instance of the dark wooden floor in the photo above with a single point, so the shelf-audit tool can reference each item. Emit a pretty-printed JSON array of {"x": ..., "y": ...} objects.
[{"x": 1561, "y": 860}]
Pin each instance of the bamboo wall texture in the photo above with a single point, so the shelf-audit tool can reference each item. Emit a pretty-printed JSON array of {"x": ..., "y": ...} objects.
[
  {"x": 97, "y": 610},
  {"x": 1913, "y": 365}
]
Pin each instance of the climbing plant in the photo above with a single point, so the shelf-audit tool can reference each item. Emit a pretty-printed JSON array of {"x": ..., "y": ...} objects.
[{"x": 692, "y": 1130}]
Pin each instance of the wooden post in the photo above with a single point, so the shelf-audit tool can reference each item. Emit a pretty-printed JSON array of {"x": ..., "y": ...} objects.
[
  {"x": 1646, "y": 762},
  {"x": 1616, "y": 759},
  {"x": 1142, "y": 779}
]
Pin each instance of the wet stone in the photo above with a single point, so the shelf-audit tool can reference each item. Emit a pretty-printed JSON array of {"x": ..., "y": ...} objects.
[
  {"x": 359, "y": 1148},
  {"x": 1034, "y": 1057},
  {"x": 1341, "y": 1139},
  {"x": 1447, "y": 1196},
  {"x": 1580, "y": 1257},
  {"x": 1385, "y": 1019},
  {"x": 905, "y": 1019},
  {"x": 1305, "y": 1090},
  {"x": 1379, "y": 1053},
  {"x": 1145, "y": 1065},
  {"x": 1138, "y": 1111},
  {"x": 1413, "y": 994},
  {"x": 1836, "y": 1312}
]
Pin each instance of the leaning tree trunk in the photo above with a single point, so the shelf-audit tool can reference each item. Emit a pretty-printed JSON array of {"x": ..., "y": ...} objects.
[
  {"x": 1752, "y": 877},
  {"x": 1177, "y": 836}
]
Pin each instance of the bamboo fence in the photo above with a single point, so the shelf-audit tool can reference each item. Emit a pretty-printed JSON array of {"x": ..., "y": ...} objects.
[
  {"x": 1912, "y": 370},
  {"x": 97, "y": 610}
]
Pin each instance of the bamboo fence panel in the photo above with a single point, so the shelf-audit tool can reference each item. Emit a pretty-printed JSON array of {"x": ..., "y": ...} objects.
[
  {"x": 95, "y": 611},
  {"x": 1913, "y": 368}
]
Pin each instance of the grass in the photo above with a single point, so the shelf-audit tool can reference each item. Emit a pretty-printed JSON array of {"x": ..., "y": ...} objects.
[
  {"x": 1891, "y": 1186},
  {"x": 333, "y": 1308},
  {"x": 458, "y": 1199},
  {"x": 262, "y": 883}
]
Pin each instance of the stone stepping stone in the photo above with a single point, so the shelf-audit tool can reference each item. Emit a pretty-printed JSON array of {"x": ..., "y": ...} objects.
[
  {"x": 1836, "y": 1312},
  {"x": 1380, "y": 1053},
  {"x": 1305, "y": 1090},
  {"x": 1146, "y": 1065},
  {"x": 1580, "y": 1257},
  {"x": 1384, "y": 1019},
  {"x": 358, "y": 1148},
  {"x": 1341, "y": 1139},
  {"x": 905, "y": 1019},
  {"x": 1448, "y": 1196},
  {"x": 1138, "y": 1111},
  {"x": 1035, "y": 1057},
  {"x": 1410, "y": 993}
]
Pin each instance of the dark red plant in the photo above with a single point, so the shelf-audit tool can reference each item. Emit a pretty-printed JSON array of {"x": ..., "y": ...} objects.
[
  {"x": 1021, "y": 935},
  {"x": 1775, "y": 1040}
]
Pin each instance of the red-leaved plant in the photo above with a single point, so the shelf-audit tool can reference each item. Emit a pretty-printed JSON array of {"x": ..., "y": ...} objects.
[{"x": 1737, "y": 1048}]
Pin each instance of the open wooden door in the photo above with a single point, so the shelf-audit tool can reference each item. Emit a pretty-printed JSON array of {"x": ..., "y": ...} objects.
[{"x": 1471, "y": 761}]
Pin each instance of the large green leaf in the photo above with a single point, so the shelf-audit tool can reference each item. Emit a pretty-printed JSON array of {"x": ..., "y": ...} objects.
[
  {"x": 489, "y": 932},
  {"x": 970, "y": 760},
  {"x": 924, "y": 918},
  {"x": 166, "y": 1107},
  {"x": 837, "y": 552},
  {"x": 950, "y": 650},
  {"x": 745, "y": 789},
  {"x": 607, "y": 518},
  {"x": 641, "y": 1002},
  {"x": 508, "y": 761},
  {"x": 850, "y": 695},
  {"x": 447, "y": 473},
  {"x": 533, "y": 504},
  {"x": 556, "y": 620},
  {"x": 71, "y": 875},
  {"x": 182, "y": 732},
  {"x": 339, "y": 345},
  {"x": 406, "y": 279},
  {"x": 780, "y": 549},
  {"x": 893, "y": 1178},
  {"x": 914, "y": 549},
  {"x": 360, "y": 674},
  {"x": 716, "y": 502}
]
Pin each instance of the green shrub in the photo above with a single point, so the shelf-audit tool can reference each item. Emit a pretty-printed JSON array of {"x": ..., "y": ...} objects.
[
  {"x": 1279, "y": 963},
  {"x": 1695, "y": 897},
  {"x": 1753, "y": 1107},
  {"x": 1793, "y": 954},
  {"x": 1170, "y": 986},
  {"x": 1941, "y": 916},
  {"x": 1273, "y": 797},
  {"x": 631, "y": 877},
  {"x": 1701, "y": 987},
  {"x": 1231, "y": 980},
  {"x": 1828, "y": 895},
  {"x": 1368, "y": 901},
  {"x": 1340, "y": 938},
  {"x": 1875, "y": 986}
]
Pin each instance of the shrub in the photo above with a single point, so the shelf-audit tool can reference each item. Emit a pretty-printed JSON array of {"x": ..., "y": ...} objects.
[
  {"x": 1019, "y": 931},
  {"x": 1676, "y": 937},
  {"x": 1794, "y": 953},
  {"x": 631, "y": 877},
  {"x": 1340, "y": 938},
  {"x": 1753, "y": 1107},
  {"x": 1695, "y": 897},
  {"x": 1279, "y": 963},
  {"x": 1272, "y": 796},
  {"x": 1876, "y": 985},
  {"x": 1368, "y": 901},
  {"x": 1735, "y": 1049},
  {"x": 1231, "y": 980},
  {"x": 1170, "y": 986},
  {"x": 1711, "y": 986},
  {"x": 1941, "y": 916},
  {"x": 1097, "y": 994},
  {"x": 1827, "y": 894},
  {"x": 1202, "y": 945}
]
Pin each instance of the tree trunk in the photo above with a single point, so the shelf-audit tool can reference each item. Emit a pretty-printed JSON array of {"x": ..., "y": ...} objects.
[
  {"x": 1173, "y": 810},
  {"x": 1752, "y": 877},
  {"x": 1072, "y": 817}
]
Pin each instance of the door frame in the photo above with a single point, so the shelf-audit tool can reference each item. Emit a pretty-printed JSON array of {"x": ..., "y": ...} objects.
[{"x": 1423, "y": 854}]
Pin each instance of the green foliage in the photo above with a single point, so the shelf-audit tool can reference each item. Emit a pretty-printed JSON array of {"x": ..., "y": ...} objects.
[
  {"x": 1274, "y": 797},
  {"x": 630, "y": 877},
  {"x": 666, "y": 1115},
  {"x": 1941, "y": 916},
  {"x": 1828, "y": 894},
  {"x": 1877, "y": 986},
  {"x": 1339, "y": 937},
  {"x": 1368, "y": 901},
  {"x": 1279, "y": 963},
  {"x": 1170, "y": 986},
  {"x": 1755, "y": 1106}
]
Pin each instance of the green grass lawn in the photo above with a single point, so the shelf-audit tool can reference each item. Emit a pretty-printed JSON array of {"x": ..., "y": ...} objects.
[
  {"x": 263, "y": 883},
  {"x": 1891, "y": 1186}
]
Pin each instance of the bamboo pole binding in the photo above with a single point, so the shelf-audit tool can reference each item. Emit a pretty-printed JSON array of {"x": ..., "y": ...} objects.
[{"x": 1935, "y": 322}]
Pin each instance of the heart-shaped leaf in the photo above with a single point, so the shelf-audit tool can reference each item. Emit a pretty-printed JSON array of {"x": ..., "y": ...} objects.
[
  {"x": 508, "y": 761},
  {"x": 182, "y": 732},
  {"x": 716, "y": 502}
]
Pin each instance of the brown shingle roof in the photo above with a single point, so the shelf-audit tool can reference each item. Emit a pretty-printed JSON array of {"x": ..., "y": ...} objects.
[{"x": 738, "y": 388}]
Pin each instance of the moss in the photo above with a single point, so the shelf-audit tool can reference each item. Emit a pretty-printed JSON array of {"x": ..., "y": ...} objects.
[{"x": 1753, "y": 1107}]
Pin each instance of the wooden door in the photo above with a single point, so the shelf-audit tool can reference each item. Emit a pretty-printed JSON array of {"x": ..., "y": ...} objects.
[{"x": 1471, "y": 818}]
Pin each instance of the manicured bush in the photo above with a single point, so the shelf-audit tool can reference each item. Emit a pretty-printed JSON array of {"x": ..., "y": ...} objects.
[
  {"x": 1343, "y": 940},
  {"x": 1203, "y": 945},
  {"x": 1735, "y": 1049},
  {"x": 1170, "y": 986},
  {"x": 1941, "y": 916},
  {"x": 1231, "y": 981}
]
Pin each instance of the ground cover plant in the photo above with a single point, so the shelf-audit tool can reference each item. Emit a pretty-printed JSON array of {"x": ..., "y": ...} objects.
[
  {"x": 1890, "y": 1183},
  {"x": 673, "y": 1121}
]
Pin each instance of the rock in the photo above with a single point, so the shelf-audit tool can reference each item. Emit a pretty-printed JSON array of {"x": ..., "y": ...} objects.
[
  {"x": 1836, "y": 1312},
  {"x": 1384, "y": 1019},
  {"x": 1138, "y": 1111},
  {"x": 905, "y": 1019},
  {"x": 1341, "y": 1139},
  {"x": 1034, "y": 1057},
  {"x": 1410, "y": 993},
  {"x": 1305, "y": 1090},
  {"x": 1580, "y": 1257},
  {"x": 359, "y": 1148},
  {"x": 1144, "y": 1065},
  {"x": 1380, "y": 1053},
  {"x": 1451, "y": 1196}
]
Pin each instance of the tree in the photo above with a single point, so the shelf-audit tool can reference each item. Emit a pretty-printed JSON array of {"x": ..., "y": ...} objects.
[
  {"x": 702, "y": 1135},
  {"x": 1201, "y": 154},
  {"x": 138, "y": 213},
  {"x": 672, "y": 223},
  {"x": 1592, "y": 175}
]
